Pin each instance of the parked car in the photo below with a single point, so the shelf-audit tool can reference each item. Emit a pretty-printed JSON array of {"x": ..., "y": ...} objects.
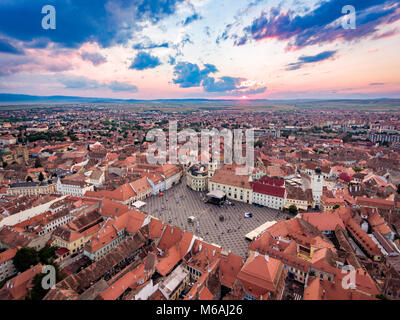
[{"x": 248, "y": 215}]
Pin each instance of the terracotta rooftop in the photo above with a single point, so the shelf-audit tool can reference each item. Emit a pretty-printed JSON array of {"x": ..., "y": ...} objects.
[{"x": 227, "y": 175}]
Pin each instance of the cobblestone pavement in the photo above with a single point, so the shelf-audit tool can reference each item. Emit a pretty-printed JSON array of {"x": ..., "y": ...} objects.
[{"x": 180, "y": 202}]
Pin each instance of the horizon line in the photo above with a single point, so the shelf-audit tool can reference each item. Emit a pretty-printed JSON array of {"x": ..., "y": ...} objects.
[{"x": 186, "y": 99}]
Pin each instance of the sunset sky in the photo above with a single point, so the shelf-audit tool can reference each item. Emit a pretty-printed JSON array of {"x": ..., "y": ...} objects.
[{"x": 149, "y": 49}]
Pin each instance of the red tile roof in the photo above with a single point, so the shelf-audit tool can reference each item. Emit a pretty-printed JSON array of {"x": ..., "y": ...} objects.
[
  {"x": 7, "y": 255},
  {"x": 376, "y": 203},
  {"x": 156, "y": 228},
  {"x": 17, "y": 287},
  {"x": 326, "y": 221},
  {"x": 318, "y": 289},
  {"x": 130, "y": 280},
  {"x": 259, "y": 275},
  {"x": 229, "y": 268},
  {"x": 268, "y": 189}
]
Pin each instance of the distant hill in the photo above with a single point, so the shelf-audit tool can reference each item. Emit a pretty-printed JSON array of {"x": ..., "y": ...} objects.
[{"x": 210, "y": 104}]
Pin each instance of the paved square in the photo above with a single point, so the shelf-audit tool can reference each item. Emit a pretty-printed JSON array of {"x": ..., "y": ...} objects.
[{"x": 180, "y": 202}]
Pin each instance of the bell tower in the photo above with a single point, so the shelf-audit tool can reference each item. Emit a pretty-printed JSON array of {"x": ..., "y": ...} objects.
[{"x": 317, "y": 184}]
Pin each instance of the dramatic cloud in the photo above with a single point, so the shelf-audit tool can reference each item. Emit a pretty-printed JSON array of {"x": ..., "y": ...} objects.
[
  {"x": 144, "y": 61},
  {"x": 82, "y": 83},
  {"x": 12, "y": 66},
  {"x": 121, "y": 86},
  {"x": 37, "y": 43},
  {"x": 141, "y": 46},
  {"x": 95, "y": 58},
  {"x": 104, "y": 21},
  {"x": 30, "y": 63},
  {"x": 190, "y": 19},
  {"x": 311, "y": 59},
  {"x": 223, "y": 85},
  {"x": 321, "y": 25},
  {"x": 188, "y": 75},
  {"x": 237, "y": 22},
  {"x": 225, "y": 35},
  {"x": 7, "y": 47}
]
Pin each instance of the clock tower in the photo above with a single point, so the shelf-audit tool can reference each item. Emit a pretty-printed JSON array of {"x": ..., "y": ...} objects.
[{"x": 317, "y": 183}]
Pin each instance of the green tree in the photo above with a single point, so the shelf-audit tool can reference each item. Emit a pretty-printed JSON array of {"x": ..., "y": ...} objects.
[
  {"x": 29, "y": 179},
  {"x": 25, "y": 258},
  {"x": 47, "y": 254},
  {"x": 293, "y": 209},
  {"x": 4, "y": 164},
  {"x": 41, "y": 176},
  {"x": 336, "y": 207}
]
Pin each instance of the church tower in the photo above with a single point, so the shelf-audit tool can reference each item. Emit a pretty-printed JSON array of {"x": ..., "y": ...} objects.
[{"x": 317, "y": 184}]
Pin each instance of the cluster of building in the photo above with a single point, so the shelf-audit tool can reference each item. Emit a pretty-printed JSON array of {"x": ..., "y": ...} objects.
[{"x": 76, "y": 178}]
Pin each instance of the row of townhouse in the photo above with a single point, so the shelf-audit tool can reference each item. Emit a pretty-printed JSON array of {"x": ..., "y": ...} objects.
[
  {"x": 74, "y": 235},
  {"x": 73, "y": 188},
  {"x": 266, "y": 191},
  {"x": 56, "y": 220},
  {"x": 113, "y": 231},
  {"x": 151, "y": 183},
  {"x": 31, "y": 188},
  {"x": 127, "y": 193},
  {"x": 160, "y": 178}
]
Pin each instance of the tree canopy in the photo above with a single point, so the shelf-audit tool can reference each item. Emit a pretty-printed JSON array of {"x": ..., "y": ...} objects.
[
  {"x": 293, "y": 209},
  {"x": 25, "y": 258}
]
